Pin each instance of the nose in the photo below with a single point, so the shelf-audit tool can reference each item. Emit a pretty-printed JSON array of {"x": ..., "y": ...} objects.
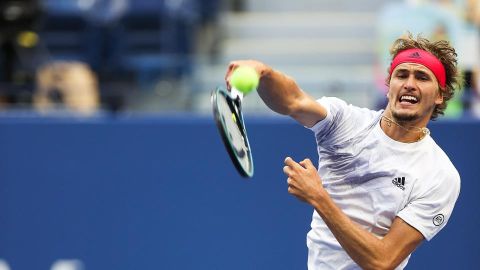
[{"x": 410, "y": 82}]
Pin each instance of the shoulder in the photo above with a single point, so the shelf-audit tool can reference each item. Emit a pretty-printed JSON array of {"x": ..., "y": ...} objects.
[
  {"x": 440, "y": 179},
  {"x": 443, "y": 163},
  {"x": 343, "y": 121},
  {"x": 339, "y": 111},
  {"x": 337, "y": 104}
]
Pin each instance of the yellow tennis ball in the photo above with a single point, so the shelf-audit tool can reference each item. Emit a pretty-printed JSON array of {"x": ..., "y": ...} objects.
[{"x": 244, "y": 79}]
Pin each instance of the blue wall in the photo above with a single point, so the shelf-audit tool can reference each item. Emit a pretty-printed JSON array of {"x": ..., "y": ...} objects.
[{"x": 161, "y": 193}]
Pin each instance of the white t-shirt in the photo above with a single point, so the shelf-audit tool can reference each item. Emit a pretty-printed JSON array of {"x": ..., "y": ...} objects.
[{"x": 374, "y": 179}]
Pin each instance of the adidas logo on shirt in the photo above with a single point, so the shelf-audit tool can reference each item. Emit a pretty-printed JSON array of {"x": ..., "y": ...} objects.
[{"x": 399, "y": 182}]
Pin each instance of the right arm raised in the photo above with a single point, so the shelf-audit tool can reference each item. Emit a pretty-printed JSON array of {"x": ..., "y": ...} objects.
[{"x": 282, "y": 94}]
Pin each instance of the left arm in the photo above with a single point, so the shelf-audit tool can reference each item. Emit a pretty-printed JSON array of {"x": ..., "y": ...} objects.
[{"x": 368, "y": 251}]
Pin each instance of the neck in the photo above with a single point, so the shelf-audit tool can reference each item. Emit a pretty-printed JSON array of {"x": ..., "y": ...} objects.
[{"x": 402, "y": 132}]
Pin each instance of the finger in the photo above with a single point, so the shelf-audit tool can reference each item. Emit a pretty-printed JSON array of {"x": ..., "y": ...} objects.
[
  {"x": 287, "y": 170},
  {"x": 229, "y": 87},
  {"x": 290, "y": 181},
  {"x": 231, "y": 67},
  {"x": 291, "y": 163},
  {"x": 227, "y": 74},
  {"x": 306, "y": 163}
]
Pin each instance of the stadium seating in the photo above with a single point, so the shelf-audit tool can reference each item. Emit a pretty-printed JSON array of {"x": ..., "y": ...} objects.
[
  {"x": 67, "y": 34},
  {"x": 153, "y": 40}
]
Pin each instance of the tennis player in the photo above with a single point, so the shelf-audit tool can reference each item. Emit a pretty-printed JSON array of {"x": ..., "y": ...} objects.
[{"x": 382, "y": 184}]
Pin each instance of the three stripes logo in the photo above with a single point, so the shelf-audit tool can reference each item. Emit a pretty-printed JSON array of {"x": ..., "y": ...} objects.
[
  {"x": 415, "y": 55},
  {"x": 399, "y": 182}
]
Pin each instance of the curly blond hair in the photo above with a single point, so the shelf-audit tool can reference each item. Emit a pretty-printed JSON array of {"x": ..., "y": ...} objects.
[{"x": 444, "y": 52}]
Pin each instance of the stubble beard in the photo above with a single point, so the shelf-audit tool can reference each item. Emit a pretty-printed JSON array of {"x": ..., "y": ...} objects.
[
  {"x": 403, "y": 117},
  {"x": 409, "y": 117}
]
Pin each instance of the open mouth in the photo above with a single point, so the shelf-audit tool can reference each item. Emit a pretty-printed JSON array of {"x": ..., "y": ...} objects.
[{"x": 408, "y": 99}]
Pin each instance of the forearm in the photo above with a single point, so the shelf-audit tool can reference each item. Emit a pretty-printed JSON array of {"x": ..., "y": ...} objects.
[
  {"x": 368, "y": 251},
  {"x": 279, "y": 92},
  {"x": 282, "y": 94}
]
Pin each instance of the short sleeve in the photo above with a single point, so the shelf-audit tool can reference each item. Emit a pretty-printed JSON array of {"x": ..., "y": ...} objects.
[
  {"x": 343, "y": 121},
  {"x": 332, "y": 106},
  {"x": 428, "y": 211}
]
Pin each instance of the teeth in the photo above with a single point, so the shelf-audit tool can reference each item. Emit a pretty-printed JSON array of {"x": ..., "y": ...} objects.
[{"x": 409, "y": 98}]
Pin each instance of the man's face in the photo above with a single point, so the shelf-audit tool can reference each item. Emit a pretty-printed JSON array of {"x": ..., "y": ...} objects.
[{"x": 413, "y": 93}]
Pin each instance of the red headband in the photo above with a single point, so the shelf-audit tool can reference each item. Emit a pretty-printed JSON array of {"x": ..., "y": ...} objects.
[{"x": 421, "y": 57}]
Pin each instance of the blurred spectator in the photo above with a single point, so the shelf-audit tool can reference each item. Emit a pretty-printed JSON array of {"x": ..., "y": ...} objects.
[{"x": 66, "y": 85}]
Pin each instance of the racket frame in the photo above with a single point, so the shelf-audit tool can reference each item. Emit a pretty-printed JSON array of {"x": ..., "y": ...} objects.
[{"x": 234, "y": 101}]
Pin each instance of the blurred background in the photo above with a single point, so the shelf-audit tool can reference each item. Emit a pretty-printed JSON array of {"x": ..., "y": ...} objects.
[
  {"x": 109, "y": 156},
  {"x": 157, "y": 56}
]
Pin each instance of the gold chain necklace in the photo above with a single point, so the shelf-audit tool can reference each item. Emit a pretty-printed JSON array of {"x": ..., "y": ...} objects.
[{"x": 423, "y": 130}]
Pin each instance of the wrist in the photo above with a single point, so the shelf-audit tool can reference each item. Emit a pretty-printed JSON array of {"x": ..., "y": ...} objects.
[{"x": 319, "y": 200}]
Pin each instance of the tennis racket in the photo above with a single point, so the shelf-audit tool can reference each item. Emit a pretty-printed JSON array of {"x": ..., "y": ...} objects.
[{"x": 227, "y": 111}]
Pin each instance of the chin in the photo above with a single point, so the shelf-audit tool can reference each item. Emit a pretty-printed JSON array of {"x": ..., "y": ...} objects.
[{"x": 404, "y": 116}]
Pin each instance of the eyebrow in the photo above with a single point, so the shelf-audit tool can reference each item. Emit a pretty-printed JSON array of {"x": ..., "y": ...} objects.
[{"x": 421, "y": 71}]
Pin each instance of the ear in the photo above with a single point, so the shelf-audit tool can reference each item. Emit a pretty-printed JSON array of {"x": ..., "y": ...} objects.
[{"x": 439, "y": 99}]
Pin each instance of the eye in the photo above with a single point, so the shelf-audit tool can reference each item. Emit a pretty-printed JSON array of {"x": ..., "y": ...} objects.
[
  {"x": 423, "y": 77},
  {"x": 401, "y": 75}
]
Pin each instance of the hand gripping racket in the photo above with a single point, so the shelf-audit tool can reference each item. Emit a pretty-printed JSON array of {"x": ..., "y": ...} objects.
[{"x": 227, "y": 111}]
